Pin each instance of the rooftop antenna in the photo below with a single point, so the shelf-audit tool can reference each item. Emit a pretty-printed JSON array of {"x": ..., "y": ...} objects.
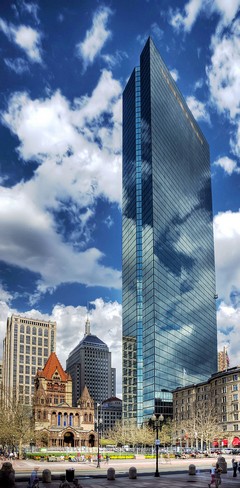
[{"x": 87, "y": 324}]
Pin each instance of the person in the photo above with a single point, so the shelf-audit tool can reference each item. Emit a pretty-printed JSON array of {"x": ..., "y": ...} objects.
[
  {"x": 107, "y": 459},
  {"x": 33, "y": 478},
  {"x": 234, "y": 465},
  {"x": 213, "y": 478},
  {"x": 218, "y": 472},
  {"x": 7, "y": 476}
]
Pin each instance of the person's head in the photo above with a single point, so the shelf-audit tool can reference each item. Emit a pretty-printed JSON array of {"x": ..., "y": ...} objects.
[{"x": 7, "y": 466}]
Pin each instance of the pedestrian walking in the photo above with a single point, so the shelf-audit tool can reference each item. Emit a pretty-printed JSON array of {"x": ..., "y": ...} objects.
[
  {"x": 218, "y": 472},
  {"x": 213, "y": 478},
  {"x": 235, "y": 466}
]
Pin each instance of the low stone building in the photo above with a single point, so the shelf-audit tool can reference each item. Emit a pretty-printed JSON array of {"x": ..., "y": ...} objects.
[
  {"x": 212, "y": 406},
  {"x": 57, "y": 422}
]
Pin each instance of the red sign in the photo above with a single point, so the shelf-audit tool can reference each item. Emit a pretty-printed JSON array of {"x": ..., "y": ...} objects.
[{"x": 236, "y": 442}]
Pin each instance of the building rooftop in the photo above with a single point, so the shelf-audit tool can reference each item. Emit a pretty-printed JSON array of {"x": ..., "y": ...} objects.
[{"x": 52, "y": 366}]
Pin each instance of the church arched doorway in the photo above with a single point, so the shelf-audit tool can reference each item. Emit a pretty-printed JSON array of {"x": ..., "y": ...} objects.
[
  {"x": 91, "y": 441},
  {"x": 68, "y": 439}
]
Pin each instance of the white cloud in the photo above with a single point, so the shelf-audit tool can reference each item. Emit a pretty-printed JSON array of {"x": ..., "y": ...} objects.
[
  {"x": 96, "y": 37},
  {"x": 224, "y": 71},
  {"x": 79, "y": 161},
  {"x": 25, "y": 37},
  {"x": 114, "y": 59},
  {"x": 235, "y": 139},
  {"x": 175, "y": 74},
  {"x": 18, "y": 65},
  {"x": 198, "y": 109},
  {"x": 5, "y": 296},
  {"x": 29, "y": 40},
  {"x": 227, "y": 253},
  {"x": 29, "y": 240},
  {"x": 31, "y": 8},
  {"x": 109, "y": 221},
  {"x": 228, "y": 319},
  {"x": 199, "y": 84},
  {"x": 228, "y": 165},
  {"x": 186, "y": 19},
  {"x": 156, "y": 31},
  {"x": 48, "y": 129},
  {"x": 226, "y": 9}
]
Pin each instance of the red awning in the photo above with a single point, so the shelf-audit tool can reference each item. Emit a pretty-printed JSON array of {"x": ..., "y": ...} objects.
[
  {"x": 236, "y": 442},
  {"x": 215, "y": 444},
  {"x": 224, "y": 442}
]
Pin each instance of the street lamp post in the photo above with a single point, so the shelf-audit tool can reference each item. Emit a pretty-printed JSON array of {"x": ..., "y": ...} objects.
[
  {"x": 98, "y": 424},
  {"x": 157, "y": 420}
]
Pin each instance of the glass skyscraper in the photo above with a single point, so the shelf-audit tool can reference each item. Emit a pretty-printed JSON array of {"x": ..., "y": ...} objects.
[{"x": 169, "y": 313}]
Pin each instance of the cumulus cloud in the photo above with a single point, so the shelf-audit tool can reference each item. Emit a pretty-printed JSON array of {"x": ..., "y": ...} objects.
[
  {"x": 227, "y": 164},
  {"x": 96, "y": 37},
  {"x": 28, "y": 39},
  {"x": 224, "y": 79},
  {"x": 175, "y": 74},
  {"x": 224, "y": 71},
  {"x": 198, "y": 109},
  {"x": 228, "y": 319},
  {"x": 106, "y": 323},
  {"x": 51, "y": 126},
  {"x": 79, "y": 162},
  {"x": 227, "y": 253},
  {"x": 28, "y": 239},
  {"x": 186, "y": 18},
  {"x": 235, "y": 139},
  {"x": 227, "y": 256}
]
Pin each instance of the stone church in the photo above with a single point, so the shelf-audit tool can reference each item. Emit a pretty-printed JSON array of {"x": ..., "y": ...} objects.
[{"x": 57, "y": 422}]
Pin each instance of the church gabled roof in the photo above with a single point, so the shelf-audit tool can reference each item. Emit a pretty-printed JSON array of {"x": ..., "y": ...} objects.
[
  {"x": 85, "y": 395},
  {"x": 53, "y": 366}
]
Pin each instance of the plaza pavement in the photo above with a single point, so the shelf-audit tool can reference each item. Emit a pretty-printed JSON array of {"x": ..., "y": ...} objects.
[
  {"x": 173, "y": 474},
  {"x": 180, "y": 480}
]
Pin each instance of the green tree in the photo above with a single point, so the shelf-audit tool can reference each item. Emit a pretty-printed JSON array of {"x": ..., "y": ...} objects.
[{"x": 16, "y": 427}]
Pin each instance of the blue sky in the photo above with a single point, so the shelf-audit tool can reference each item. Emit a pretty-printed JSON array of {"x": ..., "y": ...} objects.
[{"x": 63, "y": 68}]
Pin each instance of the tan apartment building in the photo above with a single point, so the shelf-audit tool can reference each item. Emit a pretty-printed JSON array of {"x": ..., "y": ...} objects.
[
  {"x": 26, "y": 347},
  {"x": 208, "y": 414}
]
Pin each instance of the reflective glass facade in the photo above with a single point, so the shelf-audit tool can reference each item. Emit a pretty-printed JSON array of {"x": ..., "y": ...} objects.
[{"x": 169, "y": 314}]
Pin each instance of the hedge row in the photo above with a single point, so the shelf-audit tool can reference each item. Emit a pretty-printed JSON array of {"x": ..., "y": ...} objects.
[{"x": 37, "y": 456}]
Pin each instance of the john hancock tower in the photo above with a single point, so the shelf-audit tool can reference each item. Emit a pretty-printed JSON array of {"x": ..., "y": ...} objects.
[{"x": 169, "y": 312}]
